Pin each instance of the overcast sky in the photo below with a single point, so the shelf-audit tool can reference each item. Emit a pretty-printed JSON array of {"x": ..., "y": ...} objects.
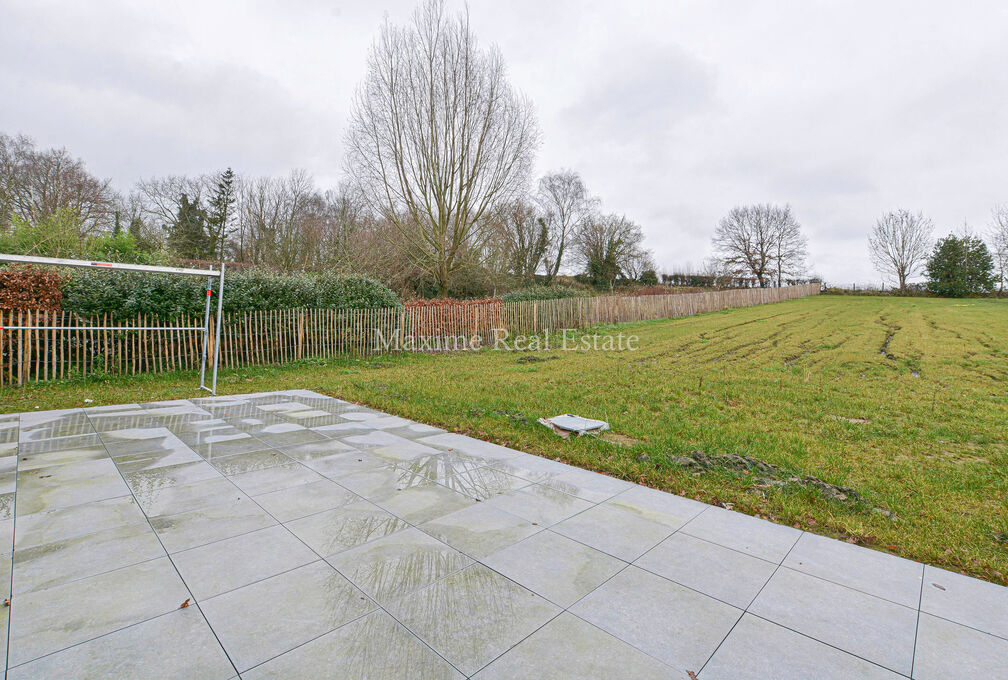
[{"x": 672, "y": 111}]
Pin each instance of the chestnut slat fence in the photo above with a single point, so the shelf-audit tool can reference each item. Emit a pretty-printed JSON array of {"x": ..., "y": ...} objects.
[{"x": 92, "y": 346}]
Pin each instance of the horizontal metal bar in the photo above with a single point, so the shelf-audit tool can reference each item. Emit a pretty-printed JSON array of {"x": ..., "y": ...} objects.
[
  {"x": 101, "y": 328},
  {"x": 62, "y": 262}
]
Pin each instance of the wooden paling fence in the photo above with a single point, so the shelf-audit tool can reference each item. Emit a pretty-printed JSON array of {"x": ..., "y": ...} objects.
[{"x": 90, "y": 346}]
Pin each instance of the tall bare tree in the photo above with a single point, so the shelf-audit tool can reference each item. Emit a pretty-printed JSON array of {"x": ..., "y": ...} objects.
[
  {"x": 565, "y": 204},
  {"x": 760, "y": 241},
  {"x": 899, "y": 245},
  {"x": 35, "y": 184},
  {"x": 999, "y": 242},
  {"x": 789, "y": 246},
  {"x": 438, "y": 136}
]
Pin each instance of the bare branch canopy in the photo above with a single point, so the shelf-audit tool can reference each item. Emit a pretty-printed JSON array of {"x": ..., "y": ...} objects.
[
  {"x": 899, "y": 245},
  {"x": 438, "y": 136}
]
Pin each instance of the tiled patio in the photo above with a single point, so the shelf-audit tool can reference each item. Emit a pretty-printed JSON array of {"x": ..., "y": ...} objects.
[{"x": 291, "y": 535}]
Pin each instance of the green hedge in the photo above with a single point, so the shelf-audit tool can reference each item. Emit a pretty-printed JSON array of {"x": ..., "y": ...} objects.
[
  {"x": 124, "y": 295},
  {"x": 537, "y": 292}
]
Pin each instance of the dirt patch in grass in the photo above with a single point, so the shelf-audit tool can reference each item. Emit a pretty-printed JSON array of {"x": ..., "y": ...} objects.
[{"x": 772, "y": 476}]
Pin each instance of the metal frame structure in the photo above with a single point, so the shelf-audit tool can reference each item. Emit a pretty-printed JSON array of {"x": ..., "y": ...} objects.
[{"x": 210, "y": 274}]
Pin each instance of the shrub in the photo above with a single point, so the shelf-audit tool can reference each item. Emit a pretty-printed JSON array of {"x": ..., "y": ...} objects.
[
  {"x": 30, "y": 288},
  {"x": 128, "y": 294},
  {"x": 649, "y": 277},
  {"x": 537, "y": 292}
]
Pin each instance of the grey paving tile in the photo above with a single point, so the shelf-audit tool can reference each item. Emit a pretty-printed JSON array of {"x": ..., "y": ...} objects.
[
  {"x": 286, "y": 439},
  {"x": 207, "y": 524},
  {"x": 714, "y": 570},
  {"x": 658, "y": 506},
  {"x": 305, "y": 499},
  {"x": 69, "y": 484},
  {"x": 340, "y": 465},
  {"x": 8, "y": 482},
  {"x": 568, "y": 647},
  {"x": 374, "y": 646},
  {"x": 175, "y": 646},
  {"x": 949, "y": 650},
  {"x": 422, "y": 503},
  {"x": 81, "y": 441},
  {"x": 631, "y": 604},
  {"x": 386, "y": 445},
  {"x": 147, "y": 460},
  {"x": 470, "y": 446},
  {"x": 440, "y": 467},
  {"x": 42, "y": 460},
  {"x": 231, "y": 563},
  {"x": 479, "y": 530},
  {"x": 390, "y": 567},
  {"x": 555, "y": 567},
  {"x": 335, "y": 530},
  {"x": 870, "y": 571},
  {"x": 275, "y": 478},
  {"x": 173, "y": 500},
  {"x": 378, "y": 482},
  {"x": 77, "y": 520},
  {"x": 250, "y": 462},
  {"x": 52, "y": 564},
  {"x": 6, "y": 535},
  {"x": 480, "y": 483},
  {"x": 47, "y": 621},
  {"x": 874, "y": 629},
  {"x": 316, "y": 450},
  {"x": 230, "y": 447},
  {"x": 149, "y": 482},
  {"x": 270, "y": 617},
  {"x": 757, "y": 648},
  {"x": 473, "y": 616},
  {"x": 588, "y": 485},
  {"x": 969, "y": 601},
  {"x": 539, "y": 504},
  {"x": 751, "y": 535},
  {"x": 612, "y": 530}
]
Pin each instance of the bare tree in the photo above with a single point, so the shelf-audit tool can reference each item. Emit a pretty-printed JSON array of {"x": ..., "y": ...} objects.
[
  {"x": 565, "y": 204},
  {"x": 999, "y": 242},
  {"x": 438, "y": 136},
  {"x": 609, "y": 246},
  {"x": 36, "y": 184},
  {"x": 899, "y": 245},
  {"x": 790, "y": 247},
  {"x": 280, "y": 221},
  {"x": 762, "y": 241},
  {"x": 159, "y": 198},
  {"x": 522, "y": 234}
]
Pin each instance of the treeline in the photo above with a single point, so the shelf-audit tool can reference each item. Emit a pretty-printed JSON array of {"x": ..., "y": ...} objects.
[
  {"x": 51, "y": 205},
  {"x": 901, "y": 247}
]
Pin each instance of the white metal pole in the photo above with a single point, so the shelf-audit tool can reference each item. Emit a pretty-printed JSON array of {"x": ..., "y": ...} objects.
[
  {"x": 206, "y": 333},
  {"x": 220, "y": 322},
  {"x": 63, "y": 262}
]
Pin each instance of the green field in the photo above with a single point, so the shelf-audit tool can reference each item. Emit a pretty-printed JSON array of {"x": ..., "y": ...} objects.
[{"x": 904, "y": 401}]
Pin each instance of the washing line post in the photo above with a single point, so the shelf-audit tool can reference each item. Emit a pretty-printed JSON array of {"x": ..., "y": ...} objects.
[
  {"x": 206, "y": 333},
  {"x": 220, "y": 322}
]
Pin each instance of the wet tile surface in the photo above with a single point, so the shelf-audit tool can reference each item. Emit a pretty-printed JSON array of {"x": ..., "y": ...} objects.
[
  {"x": 473, "y": 616},
  {"x": 310, "y": 537},
  {"x": 270, "y": 617}
]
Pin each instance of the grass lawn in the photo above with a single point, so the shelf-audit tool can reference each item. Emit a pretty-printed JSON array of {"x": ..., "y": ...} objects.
[{"x": 918, "y": 429}]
